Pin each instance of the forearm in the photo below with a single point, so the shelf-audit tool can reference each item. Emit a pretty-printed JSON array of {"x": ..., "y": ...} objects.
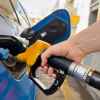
[{"x": 89, "y": 39}]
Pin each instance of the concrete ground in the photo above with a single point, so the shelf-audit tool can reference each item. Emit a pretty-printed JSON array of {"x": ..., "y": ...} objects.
[
  {"x": 57, "y": 96},
  {"x": 71, "y": 90}
]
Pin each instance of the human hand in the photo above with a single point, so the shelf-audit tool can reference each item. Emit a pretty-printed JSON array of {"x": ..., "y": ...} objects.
[{"x": 66, "y": 49}]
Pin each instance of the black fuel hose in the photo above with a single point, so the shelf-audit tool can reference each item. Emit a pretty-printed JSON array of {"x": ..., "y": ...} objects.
[
  {"x": 81, "y": 72},
  {"x": 94, "y": 80}
]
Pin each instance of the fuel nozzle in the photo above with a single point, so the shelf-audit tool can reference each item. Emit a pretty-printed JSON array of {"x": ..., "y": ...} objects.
[
  {"x": 15, "y": 44},
  {"x": 62, "y": 67},
  {"x": 78, "y": 71}
]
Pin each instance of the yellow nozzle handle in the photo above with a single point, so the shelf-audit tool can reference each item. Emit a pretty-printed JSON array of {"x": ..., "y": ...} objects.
[{"x": 31, "y": 54}]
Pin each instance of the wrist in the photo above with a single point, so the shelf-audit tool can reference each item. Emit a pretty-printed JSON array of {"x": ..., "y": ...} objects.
[
  {"x": 73, "y": 51},
  {"x": 82, "y": 45}
]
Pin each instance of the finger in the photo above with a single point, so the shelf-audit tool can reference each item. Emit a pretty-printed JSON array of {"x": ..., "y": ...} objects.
[
  {"x": 45, "y": 56},
  {"x": 50, "y": 71},
  {"x": 78, "y": 60},
  {"x": 40, "y": 67},
  {"x": 54, "y": 75},
  {"x": 45, "y": 69},
  {"x": 44, "y": 60}
]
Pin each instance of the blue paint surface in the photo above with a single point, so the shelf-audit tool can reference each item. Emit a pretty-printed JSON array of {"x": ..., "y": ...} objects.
[
  {"x": 11, "y": 89},
  {"x": 61, "y": 14}
]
